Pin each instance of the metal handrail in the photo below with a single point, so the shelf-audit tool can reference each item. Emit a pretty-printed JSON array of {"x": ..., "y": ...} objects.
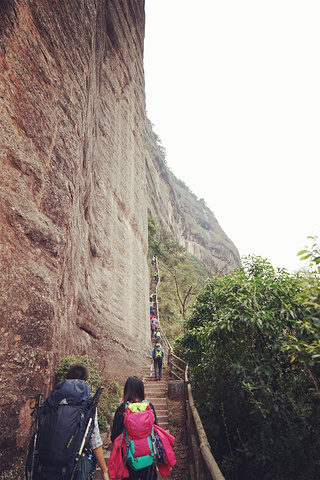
[
  {"x": 197, "y": 438},
  {"x": 200, "y": 447}
]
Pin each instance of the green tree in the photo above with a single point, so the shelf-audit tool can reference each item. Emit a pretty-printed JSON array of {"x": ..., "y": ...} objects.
[
  {"x": 304, "y": 343},
  {"x": 187, "y": 276},
  {"x": 182, "y": 275},
  {"x": 260, "y": 410}
]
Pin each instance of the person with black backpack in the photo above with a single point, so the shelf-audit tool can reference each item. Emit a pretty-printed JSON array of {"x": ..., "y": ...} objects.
[{"x": 68, "y": 442}]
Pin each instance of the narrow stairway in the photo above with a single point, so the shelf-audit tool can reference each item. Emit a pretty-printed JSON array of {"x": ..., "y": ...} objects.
[{"x": 156, "y": 393}]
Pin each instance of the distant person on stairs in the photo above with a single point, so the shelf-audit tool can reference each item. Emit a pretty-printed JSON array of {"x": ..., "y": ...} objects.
[
  {"x": 157, "y": 334},
  {"x": 152, "y": 297},
  {"x": 153, "y": 325},
  {"x": 158, "y": 356}
]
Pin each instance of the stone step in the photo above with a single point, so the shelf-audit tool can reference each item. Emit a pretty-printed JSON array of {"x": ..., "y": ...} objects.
[
  {"x": 161, "y": 415},
  {"x": 160, "y": 408},
  {"x": 152, "y": 392},
  {"x": 165, "y": 426},
  {"x": 146, "y": 373},
  {"x": 155, "y": 389},
  {"x": 152, "y": 379},
  {"x": 159, "y": 401},
  {"x": 160, "y": 387},
  {"x": 156, "y": 383},
  {"x": 155, "y": 395}
]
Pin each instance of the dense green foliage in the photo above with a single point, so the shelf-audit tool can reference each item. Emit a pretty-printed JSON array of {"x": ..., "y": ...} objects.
[
  {"x": 260, "y": 405},
  {"x": 305, "y": 345},
  {"x": 109, "y": 399}
]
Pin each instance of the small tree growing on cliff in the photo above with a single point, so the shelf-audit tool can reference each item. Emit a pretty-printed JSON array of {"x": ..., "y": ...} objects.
[{"x": 182, "y": 275}]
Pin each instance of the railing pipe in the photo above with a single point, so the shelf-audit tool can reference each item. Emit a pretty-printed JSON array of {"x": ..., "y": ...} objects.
[{"x": 204, "y": 444}]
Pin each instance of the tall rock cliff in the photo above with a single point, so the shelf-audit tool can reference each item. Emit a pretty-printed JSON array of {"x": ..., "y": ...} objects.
[
  {"x": 76, "y": 188},
  {"x": 73, "y": 208},
  {"x": 172, "y": 203}
]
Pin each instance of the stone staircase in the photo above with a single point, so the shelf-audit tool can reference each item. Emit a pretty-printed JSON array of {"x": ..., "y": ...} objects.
[{"x": 156, "y": 393}]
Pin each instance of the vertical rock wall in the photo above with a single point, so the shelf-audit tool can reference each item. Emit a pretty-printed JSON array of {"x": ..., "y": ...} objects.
[
  {"x": 73, "y": 210},
  {"x": 172, "y": 204}
]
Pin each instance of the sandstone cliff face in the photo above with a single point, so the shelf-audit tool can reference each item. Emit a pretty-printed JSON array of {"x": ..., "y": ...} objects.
[
  {"x": 73, "y": 211},
  {"x": 194, "y": 225},
  {"x": 75, "y": 185}
]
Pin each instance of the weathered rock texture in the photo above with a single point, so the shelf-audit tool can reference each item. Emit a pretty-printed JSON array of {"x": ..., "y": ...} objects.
[
  {"x": 75, "y": 183},
  {"x": 72, "y": 195},
  {"x": 178, "y": 209}
]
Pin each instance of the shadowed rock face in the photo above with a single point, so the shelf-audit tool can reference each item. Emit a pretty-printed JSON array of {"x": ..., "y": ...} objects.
[{"x": 75, "y": 195}]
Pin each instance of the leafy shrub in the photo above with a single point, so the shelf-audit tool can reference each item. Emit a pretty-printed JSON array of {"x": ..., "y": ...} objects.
[
  {"x": 95, "y": 376},
  {"x": 304, "y": 346},
  {"x": 261, "y": 410}
]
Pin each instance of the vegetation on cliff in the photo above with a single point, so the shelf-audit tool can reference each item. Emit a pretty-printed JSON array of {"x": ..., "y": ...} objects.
[
  {"x": 182, "y": 213},
  {"x": 182, "y": 277},
  {"x": 253, "y": 348}
]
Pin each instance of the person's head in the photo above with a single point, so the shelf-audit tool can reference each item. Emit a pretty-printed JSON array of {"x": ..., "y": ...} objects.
[
  {"x": 133, "y": 390},
  {"x": 78, "y": 371}
]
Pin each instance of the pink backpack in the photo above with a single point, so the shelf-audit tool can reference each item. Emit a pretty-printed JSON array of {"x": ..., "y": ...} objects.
[{"x": 139, "y": 422}]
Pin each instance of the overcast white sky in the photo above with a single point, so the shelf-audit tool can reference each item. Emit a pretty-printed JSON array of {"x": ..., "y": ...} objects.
[{"x": 233, "y": 91}]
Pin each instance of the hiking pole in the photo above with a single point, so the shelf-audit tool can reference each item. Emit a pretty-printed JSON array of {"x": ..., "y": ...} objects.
[
  {"x": 94, "y": 404},
  {"x": 35, "y": 408}
]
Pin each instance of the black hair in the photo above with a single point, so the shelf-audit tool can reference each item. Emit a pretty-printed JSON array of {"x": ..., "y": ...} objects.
[
  {"x": 133, "y": 390},
  {"x": 78, "y": 371}
]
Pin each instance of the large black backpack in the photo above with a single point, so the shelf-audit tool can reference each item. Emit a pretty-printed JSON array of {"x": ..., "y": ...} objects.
[{"x": 63, "y": 421}]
